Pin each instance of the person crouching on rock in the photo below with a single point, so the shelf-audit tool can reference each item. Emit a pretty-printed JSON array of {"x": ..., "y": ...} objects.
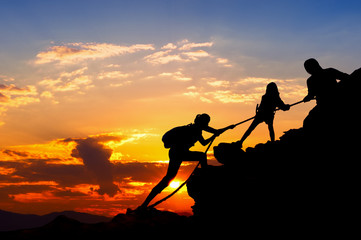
[
  {"x": 266, "y": 111},
  {"x": 180, "y": 140}
]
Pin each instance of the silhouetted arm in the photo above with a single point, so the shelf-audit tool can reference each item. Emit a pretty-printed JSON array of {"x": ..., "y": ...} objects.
[
  {"x": 210, "y": 129},
  {"x": 281, "y": 105},
  {"x": 204, "y": 142},
  {"x": 219, "y": 131},
  {"x": 311, "y": 95}
]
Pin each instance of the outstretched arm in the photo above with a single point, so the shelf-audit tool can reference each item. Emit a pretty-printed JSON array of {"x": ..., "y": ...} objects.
[
  {"x": 216, "y": 132},
  {"x": 281, "y": 105},
  {"x": 219, "y": 131},
  {"x": 210, "y": 129}
]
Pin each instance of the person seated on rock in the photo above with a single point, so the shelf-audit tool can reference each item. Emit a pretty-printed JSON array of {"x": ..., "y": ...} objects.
[
  {"x": 322, "y": 85},
  {"x": 180, "y": 140},
  {"x": 266, "y": 111}
]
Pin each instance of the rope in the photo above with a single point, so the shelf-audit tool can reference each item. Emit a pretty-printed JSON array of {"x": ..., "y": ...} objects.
[
  {"x": 249, "y": 119},
  {"x": 293, "y": 104},
  {"x": 209, "y": 145}
]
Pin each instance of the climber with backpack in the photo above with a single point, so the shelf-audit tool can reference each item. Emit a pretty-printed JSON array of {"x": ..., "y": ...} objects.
[{"x": 179, "y": 140}]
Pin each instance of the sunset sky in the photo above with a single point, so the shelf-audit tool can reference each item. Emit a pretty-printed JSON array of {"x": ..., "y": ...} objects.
[{"x": 88, "y": 88}]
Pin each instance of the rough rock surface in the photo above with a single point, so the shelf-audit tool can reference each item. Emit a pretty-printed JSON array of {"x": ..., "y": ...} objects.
[{"x": 307, "y": 180}]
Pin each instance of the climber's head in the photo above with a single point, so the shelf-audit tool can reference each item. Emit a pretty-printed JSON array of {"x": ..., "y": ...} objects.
[
  {"x": 312, "y": 66},
  {"x": 202, "y": 120},
  {"x": 272, "y": 89}
]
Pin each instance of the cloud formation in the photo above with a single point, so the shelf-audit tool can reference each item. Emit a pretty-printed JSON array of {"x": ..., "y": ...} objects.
[
  {"x": 45, "y": 187},
  {"x": 13, "y": 90},
  {"x": 188, "y": 45},
  {"x": 3, "y": 98},
  {"x": 75, "y": 52},
  {"x": 164, "y": 57},
  {"x": 178, "y": 75},
  {"x": 86, "y": 76},
  {"x": 95, "y": 156},
  {"x": 67, "y": 81},
  {"x": 12, "y": 96},
  {"x": 248, "y": 90},
  {"x": 180, "y": 52}
]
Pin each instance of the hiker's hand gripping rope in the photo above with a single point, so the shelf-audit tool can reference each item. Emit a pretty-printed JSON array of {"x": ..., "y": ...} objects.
[
  {"x": 222, "y": 130},
  {"x": 249, "y": 119}
]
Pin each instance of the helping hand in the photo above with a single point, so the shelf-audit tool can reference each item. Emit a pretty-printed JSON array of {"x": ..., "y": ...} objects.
[
  {"x": 231, "y": 126},
  {"x": 307, "y": 98}
]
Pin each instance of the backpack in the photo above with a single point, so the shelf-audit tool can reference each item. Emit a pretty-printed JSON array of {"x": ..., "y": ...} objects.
[{"x": 182, "y": 136}]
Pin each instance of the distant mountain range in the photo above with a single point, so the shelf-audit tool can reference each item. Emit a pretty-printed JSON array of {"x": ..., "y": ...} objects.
[
  {"x": 13, "y": 221},
  {"x": 133, "y": 225}
]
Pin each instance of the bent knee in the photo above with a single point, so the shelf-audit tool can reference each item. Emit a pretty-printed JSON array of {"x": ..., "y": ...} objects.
[{"x": 167, "y": 179}]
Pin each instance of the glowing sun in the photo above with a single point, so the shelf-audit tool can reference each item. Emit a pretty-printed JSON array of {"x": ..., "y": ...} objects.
[{"x": 174, "y": 184}]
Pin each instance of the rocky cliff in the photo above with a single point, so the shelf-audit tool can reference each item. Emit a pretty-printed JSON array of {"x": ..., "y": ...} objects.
[{"x": 307, "y": 180}]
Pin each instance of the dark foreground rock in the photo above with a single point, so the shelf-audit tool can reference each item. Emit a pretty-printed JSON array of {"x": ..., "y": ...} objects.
[{"x": 308, "y": 181}]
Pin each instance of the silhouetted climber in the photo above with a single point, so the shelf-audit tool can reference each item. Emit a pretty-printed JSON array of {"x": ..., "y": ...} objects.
[
  {"x": 179, "y": 140},
  {"x": 266, "y": 111},
  {"x": 322, "y": 85}
]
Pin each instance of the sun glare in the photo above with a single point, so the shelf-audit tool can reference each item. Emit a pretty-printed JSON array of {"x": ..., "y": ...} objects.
[{"x": 174, "y": 184}]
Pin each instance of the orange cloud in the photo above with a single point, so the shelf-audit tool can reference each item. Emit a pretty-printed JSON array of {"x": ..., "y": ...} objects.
[
  {"x": 33, "y": 197},
  {"x": 189, "y": 46},
  {"x": 112, "y": 75},
  {"x": 227, "y": 96},
  {"x": 75, "y": 52},
  {"x": 12, "y": 96},
  {"x": 38, "y": 183},
  {"x": 12, "y": 90},
  {"x": 67, "y": 81},
  {"x": 169, "y": 46},
  {"x": 171, "y": 53},
  {"x": 179, "y": 76},
  {"x": 195, "y": 55},
  {"x": 163, "y": 57},
  {"x": 6, "y": 171},
  {"x": 224, "y": 61},
  {"x": 246, "y": 90},
  {"x": 3, "y": 98},
  {"x": 219, "y": 83}
]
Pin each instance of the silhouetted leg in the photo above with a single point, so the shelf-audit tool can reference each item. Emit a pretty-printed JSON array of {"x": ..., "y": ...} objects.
[
  {"x": 172, "y": 171},
  {"x": 253, "y": 125},
  {"x": 271, "y": 132}
]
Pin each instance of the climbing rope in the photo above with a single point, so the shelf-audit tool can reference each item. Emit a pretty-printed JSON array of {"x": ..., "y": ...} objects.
[
  {"x": 209, "y": 145},
  {"x": 249, "y": 119}
]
